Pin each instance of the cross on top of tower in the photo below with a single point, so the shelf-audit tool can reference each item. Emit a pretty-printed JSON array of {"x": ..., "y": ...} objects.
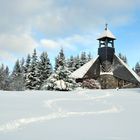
[{"x": 106, "y": 26}]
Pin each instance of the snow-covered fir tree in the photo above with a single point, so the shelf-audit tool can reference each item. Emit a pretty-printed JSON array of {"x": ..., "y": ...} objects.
[
  {"x": 60, "y": 59},
  {"x": 123, "y": 57},
  {"x": 71, "y": 63},
  {"x": 32, "y": 81},
  {"x": 26, "y": 68},
  {"x": 22, "y": 64},
  {"x": 83, "y": 59},
  {"x": 89, "y": 57},
  {"x": 56, "y": 63},
  {"x": 44, "y": 68},
  {"x": 74, "y": 63},
  {"x": 27, "y": 64},
  {"x": 137, "y": 68},
  {"x": 4, "y": 78},
  {"x": 60, "y": 79},
  {"x": 77, "y": 62},
  {"x": 17, "y": 78}
]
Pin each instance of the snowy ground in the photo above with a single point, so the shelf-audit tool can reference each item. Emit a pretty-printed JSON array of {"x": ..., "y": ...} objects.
[{"x": 78, "y": 115}]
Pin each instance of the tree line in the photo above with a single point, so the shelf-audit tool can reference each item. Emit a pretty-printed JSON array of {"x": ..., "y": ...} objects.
[{"x": 35, "y": 73}]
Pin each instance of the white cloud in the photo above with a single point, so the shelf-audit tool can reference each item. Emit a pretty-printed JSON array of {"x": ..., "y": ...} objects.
[
  {"x": 62, "y": 17},
  {"x": 65, "y": 23},
  {"x": 6, "y": 56},
  {"x": 15, "y": 46},
  {"x": 20, "y": 44},
  {"x": 72, "y": 44},
  {"x": 50, "y": 44}
]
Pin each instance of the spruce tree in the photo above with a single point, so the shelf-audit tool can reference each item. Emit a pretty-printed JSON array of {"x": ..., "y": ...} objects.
[
  {"x": 60, "y": 79},
  {"x": 137, "y": 68},
  {"x": 22, "y": 62},
  {"x": 56, "y": 63},
  {"x": 7, "y": 79},
  {"x": 70, "y": 63},
  {"x": 83, "y": 58},
  {"x": 27, "y": 64},
  {"x": 44, "y": 68},
  {"x": 89, "y": 57},
  {"x": 17, "y": 78},
  {"x": 32, "y": 78},
  {"x": 60, "y": 59},
  {"x": 77, "y": 62},
  {"x": 26, "y": 70},
  {"x": 2, "y": 78},
  {"x": 123, "y": 57}
]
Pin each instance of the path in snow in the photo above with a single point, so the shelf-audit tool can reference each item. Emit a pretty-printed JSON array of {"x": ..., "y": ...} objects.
[{"x": 58, "y": 111}]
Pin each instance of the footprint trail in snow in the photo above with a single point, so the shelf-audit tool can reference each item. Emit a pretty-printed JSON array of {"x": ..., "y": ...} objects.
[{"x": 59, "y": 112}]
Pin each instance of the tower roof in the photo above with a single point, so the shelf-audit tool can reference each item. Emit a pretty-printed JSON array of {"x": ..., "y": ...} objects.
[{"x": 106, "y": 34}]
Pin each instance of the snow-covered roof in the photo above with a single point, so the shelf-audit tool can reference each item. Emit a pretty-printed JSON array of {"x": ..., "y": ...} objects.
[
  {"x": 129, "y": 69},
  {"x": 79, "y": 73},
  {"x": 106, "y": 33}
]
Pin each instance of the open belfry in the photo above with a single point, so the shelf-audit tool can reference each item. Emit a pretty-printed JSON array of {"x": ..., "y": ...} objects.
[{"x": 107, "y": 68}]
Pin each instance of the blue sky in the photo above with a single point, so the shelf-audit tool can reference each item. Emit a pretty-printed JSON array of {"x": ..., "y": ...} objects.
[{"x": 48, "y": 25}]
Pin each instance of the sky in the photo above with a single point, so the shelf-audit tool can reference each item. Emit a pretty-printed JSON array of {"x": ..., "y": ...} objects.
[{"x": 48, "y": 25}]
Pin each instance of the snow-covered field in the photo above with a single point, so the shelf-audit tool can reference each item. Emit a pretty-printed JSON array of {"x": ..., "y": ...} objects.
[{"x": 77, "y": 115}]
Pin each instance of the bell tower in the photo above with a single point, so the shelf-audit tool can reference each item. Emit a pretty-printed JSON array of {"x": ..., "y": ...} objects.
[
  {"x": 106, "y": 49},
  {"x": 107, "y": 68}
]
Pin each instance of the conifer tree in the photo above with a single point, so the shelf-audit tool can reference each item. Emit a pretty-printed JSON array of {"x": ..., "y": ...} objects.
[
  {"x": 27, "y": 64},
  {"x": 137, "y": 68},
  {"x": 60, "y": 79},
  {"x": 32, "y": 79},
  {"x": 17, "y": 79},
  {"x": 124, "y": 58},
  {"x": 2, "y": 77},
  {"x": 22, "y": 61},
  {"x": 44, "y": 68},
  {"x": 7, "y": 79},
  {"x": 60, "y": 59},
  {"x": 83, "y": 58},
  {"x": 56, "y": 63},
  {"x": 26, "y": 69},
  {"x": 89, "y": 57},
  {"x": 70, "y": 63},
  {"x": 77, "y": 62}
]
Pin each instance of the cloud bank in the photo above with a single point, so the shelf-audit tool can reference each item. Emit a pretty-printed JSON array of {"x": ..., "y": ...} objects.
[{"x": 62, "y": 23}]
